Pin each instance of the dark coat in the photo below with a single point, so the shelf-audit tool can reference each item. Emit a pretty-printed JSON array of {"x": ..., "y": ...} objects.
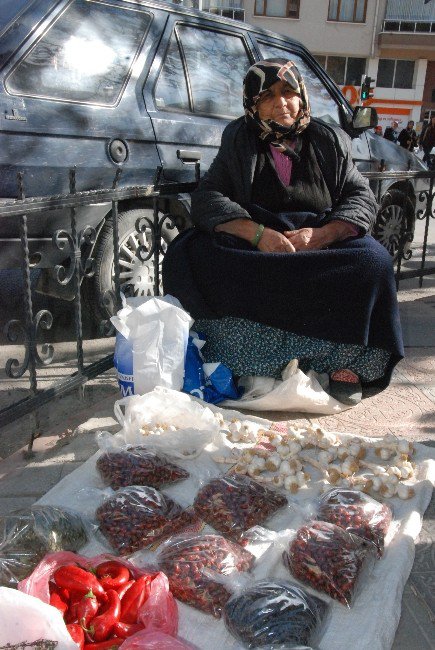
[{"x": 228, "y": 183}]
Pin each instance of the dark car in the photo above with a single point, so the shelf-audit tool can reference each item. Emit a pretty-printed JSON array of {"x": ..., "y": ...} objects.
[{"x": 104, "y": 84}]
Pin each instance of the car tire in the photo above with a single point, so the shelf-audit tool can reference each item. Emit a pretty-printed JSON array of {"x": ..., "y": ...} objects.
[
  {"x": 395, "y": 206},
  {"x": 139, "y": 276}
]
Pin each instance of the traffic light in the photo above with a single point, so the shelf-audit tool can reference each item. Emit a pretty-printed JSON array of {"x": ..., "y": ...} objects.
[{"x": 367, "y": 89}]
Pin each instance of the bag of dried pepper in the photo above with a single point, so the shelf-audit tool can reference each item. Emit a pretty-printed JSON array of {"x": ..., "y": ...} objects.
[
  {"x": 232, "y": 504},
  {"x": 329, "y": 559},
  {"x": 356, "y": 512},
  {"x": 195, "y": 564},
  {"x": 138, "y": 466},
  {"x": 137, "y": 516},
  {"x": 274, "y": 612}
]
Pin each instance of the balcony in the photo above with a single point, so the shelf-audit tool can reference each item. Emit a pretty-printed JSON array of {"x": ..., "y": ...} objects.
[{"x": 409, "y": 26}]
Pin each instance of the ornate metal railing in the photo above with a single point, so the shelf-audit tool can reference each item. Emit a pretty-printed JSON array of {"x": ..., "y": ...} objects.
[
  {"x": 77, "y": 266},
  {"x": 74, "y": 269}
]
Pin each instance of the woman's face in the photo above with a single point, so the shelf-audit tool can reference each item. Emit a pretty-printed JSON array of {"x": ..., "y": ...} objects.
[{"x": 279, "y": 103}]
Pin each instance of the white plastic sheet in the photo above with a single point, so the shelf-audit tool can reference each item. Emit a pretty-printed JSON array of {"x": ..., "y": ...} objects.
[
  {"x": 371, "y": 622},
  {"x": 296, "y": 391}
]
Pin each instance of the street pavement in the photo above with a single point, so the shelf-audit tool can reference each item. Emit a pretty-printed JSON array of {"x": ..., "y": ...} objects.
[{"x": 406, "y": 408}]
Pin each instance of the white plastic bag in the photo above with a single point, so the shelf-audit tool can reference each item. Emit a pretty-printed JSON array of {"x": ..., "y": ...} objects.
[
  {"x": 193, "y": 425},
  {"x": 157, "y": 330},
  {"x": 296, "y": 391},
  {"x": 25, "y": 619}
]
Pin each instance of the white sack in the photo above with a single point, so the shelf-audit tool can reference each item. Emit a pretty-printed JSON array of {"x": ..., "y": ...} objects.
[
  {"x": 158, "y": 329},
  {"x": 26, "y": 619},
  {"x": 296, "y": 391}
]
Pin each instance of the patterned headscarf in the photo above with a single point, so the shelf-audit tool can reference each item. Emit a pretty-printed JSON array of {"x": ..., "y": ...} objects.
[{"x": 259, "y": 78}]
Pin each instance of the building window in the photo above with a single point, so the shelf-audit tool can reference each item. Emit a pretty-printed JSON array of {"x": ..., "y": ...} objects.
[
  {"x": 433, "y": 96},
  {"x": 344, "y": 71},
  {"x": 395, "y": 74},
  {"x": 348, "y": 11},
  {"x": 277, "y": 8}
]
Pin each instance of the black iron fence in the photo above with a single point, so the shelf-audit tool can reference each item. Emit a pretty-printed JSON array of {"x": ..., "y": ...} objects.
[{"x": 396, "y": 223}]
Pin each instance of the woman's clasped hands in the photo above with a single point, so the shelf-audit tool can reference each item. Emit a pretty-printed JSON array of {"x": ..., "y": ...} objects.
[{"x": 291, "y": 241}]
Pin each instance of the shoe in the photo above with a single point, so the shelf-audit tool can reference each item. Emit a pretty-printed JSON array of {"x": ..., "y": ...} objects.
[{"x": 345, "y": 387}]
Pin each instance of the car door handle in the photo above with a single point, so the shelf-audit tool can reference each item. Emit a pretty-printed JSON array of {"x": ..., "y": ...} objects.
[{"x": 187, "y": 156}]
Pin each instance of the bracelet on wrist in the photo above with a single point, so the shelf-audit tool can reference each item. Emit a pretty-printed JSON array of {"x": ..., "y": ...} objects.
[{"x": 258, "y": 235}]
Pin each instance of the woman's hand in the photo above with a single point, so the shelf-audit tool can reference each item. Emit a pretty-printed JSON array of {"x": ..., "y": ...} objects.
[
  {"x": 306, "y": 239},
  {"x": 274, "y": 242}
]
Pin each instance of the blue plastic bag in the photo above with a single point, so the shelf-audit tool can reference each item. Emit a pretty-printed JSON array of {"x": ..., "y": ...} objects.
[
  {"x": 211, "y": 382},
  {"x": 123, "y": 362}
]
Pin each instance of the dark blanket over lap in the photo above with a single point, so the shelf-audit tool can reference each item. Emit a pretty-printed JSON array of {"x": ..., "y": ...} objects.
[{"x": 345, "y": 294}]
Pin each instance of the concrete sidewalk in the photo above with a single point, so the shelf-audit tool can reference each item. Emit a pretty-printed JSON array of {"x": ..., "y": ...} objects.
[{"x": 406, "y": 408}]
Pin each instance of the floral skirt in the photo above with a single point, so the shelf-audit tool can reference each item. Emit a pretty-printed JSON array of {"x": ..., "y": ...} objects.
[{"x": 250, "y": 348}]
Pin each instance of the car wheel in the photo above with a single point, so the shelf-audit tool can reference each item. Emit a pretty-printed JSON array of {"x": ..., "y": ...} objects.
[
  {"x": 395, "y": 207},
  {"x": 136, "y": 276}
]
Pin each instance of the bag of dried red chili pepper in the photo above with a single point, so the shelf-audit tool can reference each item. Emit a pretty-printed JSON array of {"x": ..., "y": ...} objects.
[
  {"x": 232, "y": 504},
  {"x": 194, "y": 564},
  {"x": 329, "y": 559},
  {"x": 358, "y": 513},
  {"x": 138, "y": 516},
  {"x": 138, "y": 466}
]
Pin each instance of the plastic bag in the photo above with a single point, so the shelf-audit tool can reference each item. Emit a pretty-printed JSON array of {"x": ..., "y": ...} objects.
[
  {"x": 272, "y": 612},
  {"x": 358, "y": 513},
  {"x": 232, "y": 504},
  {"x": 296, "y": 392},
  {"x": 158, "y": 613},
  {"x": 138, "y": 466},
  {"x": 157, "y": 330},
  {"x": 138, "y": 516},
  {"x": 193, "y": 563},
  {"x": 26, "y": 621},
  {"x": 327, "y": 558},
  {"x": 168, "y": 421},
  {"x": 211, "y": 382},
  {"x": 28, "y": 534}
]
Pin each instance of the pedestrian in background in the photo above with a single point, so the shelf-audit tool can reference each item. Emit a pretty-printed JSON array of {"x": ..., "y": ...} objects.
[
  {"x": 392, "y": 132},
  {"x": 427, "y": 140},
  {"x": 378, "y": 130},
  {"x": 408, "y": 137}
]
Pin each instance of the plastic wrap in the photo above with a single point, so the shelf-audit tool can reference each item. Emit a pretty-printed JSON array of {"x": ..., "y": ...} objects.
[
  {"x": 232, "y": 504},
  {"x": 357, "y": 513},
  {"x": 28, "y": 534},
  {"x": 138, "y": 466},
  {"x": 138, "y": 516},
  {"x": 327, "y": 558},
  {"x": 273, "y": 613},
  {"x": 193, "y": 564},
  {"x": 154, "y": 641}
]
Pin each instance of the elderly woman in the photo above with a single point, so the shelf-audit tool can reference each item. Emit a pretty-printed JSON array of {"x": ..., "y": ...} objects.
[{"x": 279, "y": 265}]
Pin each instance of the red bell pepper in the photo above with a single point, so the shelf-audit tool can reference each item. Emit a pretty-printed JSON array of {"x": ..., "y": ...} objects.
[
  {"x": 122, "y": 590},
  {"x": 134, "y": 599},
  {"x": 71, "y": 614},
  {"x": 102, "y": 625},
  {"x": 56, "y": 601},
  {"x": 127, "y": 629},
  {"x": 111, "y": 644},
  {"x": 112, "y": 574},
  {"x": 78, "y": 580},
  {"x": 87, "y": 609},
  {"x": 77, "y": 634}
]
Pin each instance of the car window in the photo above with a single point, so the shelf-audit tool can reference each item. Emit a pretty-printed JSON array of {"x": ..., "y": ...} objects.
[
  {"x": 323, "y": 105},
  {"x": 216, "y": 65},
  {"x": 171, "y": 87},
  {"x": 85, "y": 56}
]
